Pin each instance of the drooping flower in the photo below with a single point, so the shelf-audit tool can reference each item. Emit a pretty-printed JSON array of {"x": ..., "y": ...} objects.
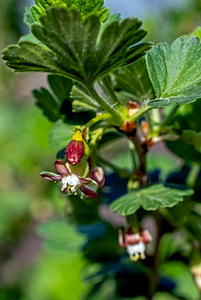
[
  {"x": 72, "y": 182},
  {"x": 135, "y": 242}
]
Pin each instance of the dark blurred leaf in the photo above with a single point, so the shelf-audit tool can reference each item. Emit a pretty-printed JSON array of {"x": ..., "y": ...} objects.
[
  {"x": 85, "y": 7},
  {"x": 149, "y": 198},
  {"x": 188, "y": 118},
  {"x": 180, "y": 273},
  {"x": 175, "y": 71},
  {"x": 77, "y": 49},
  {"x": 192, "y": 138},
  {"x": 61, "y": 87},
  {"x": 60, "y": 237},
  {"x": 49, "y": 105},
  {"x": 134, "y": 79}
]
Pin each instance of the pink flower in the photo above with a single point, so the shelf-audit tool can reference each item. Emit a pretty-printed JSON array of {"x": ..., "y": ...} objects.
[
  {"x": 71, "y": 183},
  {"x": 135, "y": 242}
]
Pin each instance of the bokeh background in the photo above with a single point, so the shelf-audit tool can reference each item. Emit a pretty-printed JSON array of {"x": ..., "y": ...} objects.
[{"x": 27, "y": 271}]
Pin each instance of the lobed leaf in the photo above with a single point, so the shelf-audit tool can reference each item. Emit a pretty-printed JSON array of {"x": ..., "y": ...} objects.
[
  {"x": 85, "y": 7},
  {"x": 150, "y": 198},
  {"x": 175, "y": 71},
  {"x": 78, "y": 48}
]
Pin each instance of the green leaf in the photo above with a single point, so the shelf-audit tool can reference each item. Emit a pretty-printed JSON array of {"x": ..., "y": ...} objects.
[
  {"x": 29, "y": 38},
  {"x": 28, "y": 56},
  {"x": 175, "y": 71},
  {"x": 188, "y": 118},
  {"x": 60, "y": 135},
  {"x": 179, "y": 272},
  {"x": 61, "y": 87},
  {"x": 60, "y": 236},
  {"x": 197, "y": 32},
  {"x": 28, "y": 18},
  {"x": 50, "y": 104},
  {"x": 151, "y": 198},
  {"x": 134, "y": 79},
  {"x": 192, "y": 138},
  {"x": 85, "y": 7},
  {"x": 82, "y": 100},
  {"x": 76, "y": 48}
]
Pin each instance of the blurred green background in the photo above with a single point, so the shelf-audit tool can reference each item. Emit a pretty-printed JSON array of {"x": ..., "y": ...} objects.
[{"x": 27, "y": 271}]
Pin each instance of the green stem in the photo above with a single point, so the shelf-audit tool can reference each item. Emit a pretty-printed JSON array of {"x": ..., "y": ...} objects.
[
  {"x": 122, "y": 172},
  {"x": 154, "y": 275},
  {"x": 150, "y": 122},
  {"x": 132, "y": 221},
  {"x": 97, "y": 119},
  {"x": 167, "y": 120},
  {"x": 133, "y": 155},
  {"x": 143, "y": 178},
  {"x": 106, "y": 106},
  {"x": 108, "y": 88},
  {"x": 140, "y": 113},
  {"x": 191, "y": 180}
]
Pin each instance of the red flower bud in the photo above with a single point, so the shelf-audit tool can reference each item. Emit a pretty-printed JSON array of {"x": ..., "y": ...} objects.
[{"x": 75, "y": 152}]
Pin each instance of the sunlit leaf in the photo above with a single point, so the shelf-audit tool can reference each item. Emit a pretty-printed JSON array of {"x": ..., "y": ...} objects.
[
  {"x": 175, "y": 71},
  {"x": 151, "y": 198},
  {"x": 85, "y": 7}
]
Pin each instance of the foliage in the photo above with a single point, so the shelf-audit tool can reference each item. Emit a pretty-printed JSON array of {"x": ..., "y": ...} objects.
[
  {"x": 105, "y": 90},
  {"x": 150, "y": 198},
  {"x": 174, "y": 71}
]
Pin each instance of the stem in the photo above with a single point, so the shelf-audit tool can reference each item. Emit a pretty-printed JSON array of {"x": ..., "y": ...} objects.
[
  {"x": 105, "y": 105},
  {"x": 132, "y": 152},
  {"x": 122, "y": 172},
  {"x": 132, "y": 221},
  {"x": 107, "y": 86},
  {"x": 154, "y": 276},
  {"x": 140, "y": 113},
  {"x": 97, "y": 119},
  {"x": 143, "y": 179},
  {"x": 167, "y": 120},
  {"x": 192, "y": 176},
  {"x": 150, "y": 122}
]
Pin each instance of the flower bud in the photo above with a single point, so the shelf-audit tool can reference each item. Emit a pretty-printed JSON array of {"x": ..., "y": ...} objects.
[{"x": 75, "y": 152}]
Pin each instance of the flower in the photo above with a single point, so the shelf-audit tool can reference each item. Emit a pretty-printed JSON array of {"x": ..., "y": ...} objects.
[
  {"x": 71, "y": 182},
  {"x": 135, "y": 242}
]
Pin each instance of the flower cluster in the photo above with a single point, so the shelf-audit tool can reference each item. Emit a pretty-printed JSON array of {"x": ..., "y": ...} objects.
[
  {"x": 76, "y": 175},
  {"x": 135, "y": 242}
]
